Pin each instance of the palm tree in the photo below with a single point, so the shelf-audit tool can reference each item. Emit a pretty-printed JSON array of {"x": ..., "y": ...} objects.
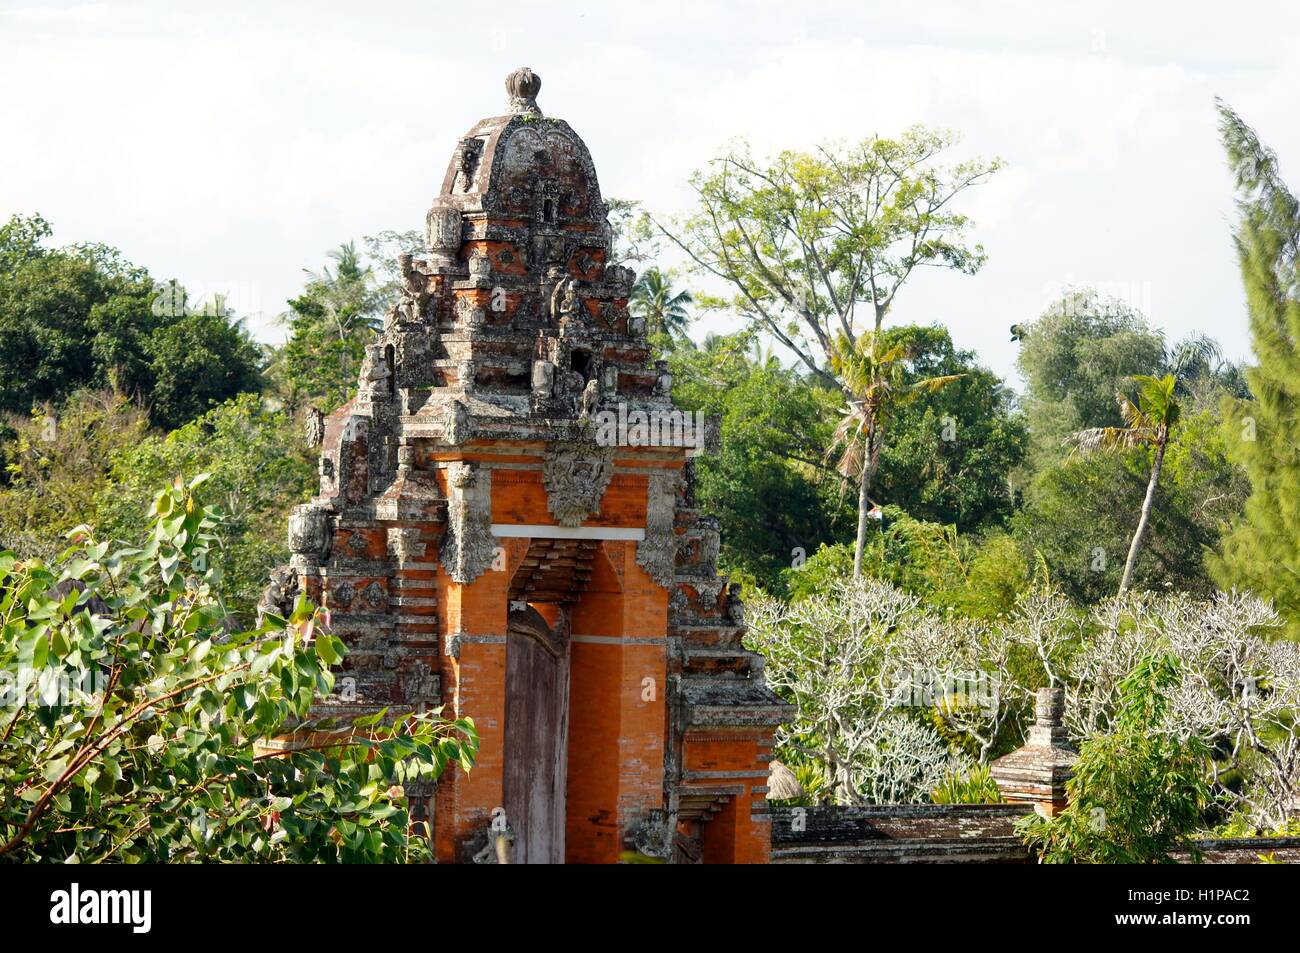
[
  {"x": 875, "y": 383},
  {"x": 653, "y": 299},
  {"x": 1146, "y": 424}
]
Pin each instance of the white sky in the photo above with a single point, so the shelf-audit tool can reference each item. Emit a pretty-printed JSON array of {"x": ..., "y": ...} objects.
[{"x": 231, "y": 145}]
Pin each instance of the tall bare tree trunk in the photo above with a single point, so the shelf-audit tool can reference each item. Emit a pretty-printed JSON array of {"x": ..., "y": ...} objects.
[
  {"x": 864, "y": 500},
  {"x": 1146, "y": 515}
]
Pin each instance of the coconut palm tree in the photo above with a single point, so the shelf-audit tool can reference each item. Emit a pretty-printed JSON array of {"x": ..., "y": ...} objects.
[
  {"x": 875, "y": 383},
  {"x": 653, "y": 299},
  {"x": 1147, "y": 423}
]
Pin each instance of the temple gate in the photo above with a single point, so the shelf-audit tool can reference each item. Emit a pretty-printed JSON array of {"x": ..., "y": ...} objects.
[{"x": 506, "y": 527}]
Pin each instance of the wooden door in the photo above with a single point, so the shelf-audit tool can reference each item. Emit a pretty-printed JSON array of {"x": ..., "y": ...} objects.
[{"x": 536, "y": 736}]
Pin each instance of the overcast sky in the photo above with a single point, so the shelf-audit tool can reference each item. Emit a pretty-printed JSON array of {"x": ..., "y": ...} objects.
[{"x": 231, "y": 145}]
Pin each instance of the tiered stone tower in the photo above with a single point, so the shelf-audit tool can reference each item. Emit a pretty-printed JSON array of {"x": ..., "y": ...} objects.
[{"x": 489, "y": 538}]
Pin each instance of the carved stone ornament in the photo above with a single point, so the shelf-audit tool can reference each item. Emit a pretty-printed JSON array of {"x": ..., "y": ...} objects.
[
  {"x": 404, "y": 544},
  {"x": 576, "y": 476},
  {"x": 468, "y": 547},
  {"x": 309, "y": 532},
  {"x": 657, "y": 553},
  {"x": 442, "y": 232},
  {"x": 456, "y": 426}
]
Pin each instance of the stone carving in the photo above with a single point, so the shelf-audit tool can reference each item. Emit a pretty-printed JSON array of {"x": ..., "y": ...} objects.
[
  {"x": 414, "y": 296},
  {"x": 279, "y": 595},
  {"x": 564, "y": 299},
  {"x": 375, "y": 372},
  {"x": 735, "y": 605},
  {"x": 543, "y": 380},
  {"x": 404, "y": 544},
  {"x": 523, "y": 85},
  {"x": 590, "y": 399},
  {"x": 442, "y": 233},
  {"x": 468, "y": 153},
  {"x": 652, "y": 836},
  {"x": 469, "y": 315},
  {"x": 663, "y": 380},
  {"x": 342, "y": 595},
  {"x": 309, "y": 532},
  {"x": 657, "y": 553},
  {"x": 314, "y": 427},
  {"x": 576, "y": 476},
  {"x": 456, "y": 425},
  {"x": 375, "y": 597},
  {"x": 420, "y": 686},
  {"x": 468, "y": 547},
  {"x": 480, "y": 267}
]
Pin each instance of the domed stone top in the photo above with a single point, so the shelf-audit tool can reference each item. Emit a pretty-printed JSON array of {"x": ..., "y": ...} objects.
[{"x": 523, "y": 85}]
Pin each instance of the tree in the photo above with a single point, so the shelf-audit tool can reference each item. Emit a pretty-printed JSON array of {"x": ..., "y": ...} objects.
[
  {"x": 199, "y": 361},
  {"x": 1138, "y": 792},
  {"x": 57, "y": 462},
  {"x": 804, "y": 241},
  {"x": 1073, "y": 359},
  {"x": 330, "y": 324},
  {"x": 1147, "y": 423},
  {"x": 1262, "y": 553},
  {"x": 953, "y": 449},
  {"x": 138, "y": 729},
  {"x": 82, "y": 317},
  {"x": 664, "y": 310},
  {"x": 770, "y": 484},
  {"x": 259, "y": 468},
  {"x": 874, "y": 377}
]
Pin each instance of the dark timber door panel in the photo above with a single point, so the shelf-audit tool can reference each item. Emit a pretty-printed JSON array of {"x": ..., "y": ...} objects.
[{"x": 536, "y": 736}]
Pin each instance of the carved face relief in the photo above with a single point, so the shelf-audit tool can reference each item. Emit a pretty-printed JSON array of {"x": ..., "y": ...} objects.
[
  {"x": 576, "y": 476},
  {"x": 309, "y": 531}
]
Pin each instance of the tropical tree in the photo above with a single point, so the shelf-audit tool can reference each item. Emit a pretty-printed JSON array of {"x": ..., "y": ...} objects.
[
  {"x": 330, "y": 324},
  {"x": 1147, "y": 423},
  {"x": 873, "y": 375},
  {"x": 664, "y": 310},
  {"x": 814, "y": 247}
]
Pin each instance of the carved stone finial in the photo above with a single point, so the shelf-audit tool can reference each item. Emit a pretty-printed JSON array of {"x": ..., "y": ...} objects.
[{"x": 523, "y": 85}]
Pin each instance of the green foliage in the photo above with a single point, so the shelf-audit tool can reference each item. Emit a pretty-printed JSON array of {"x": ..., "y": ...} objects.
[
  {"x": 197, "y": 362},
  {"x": 1073, "y": 359},
  {"x": 1081, "y": 514},
  {"x": 79, "y": 316},
  {"x": 141, "y": 730},
  {"x": 1262, "y": 553},
  {"x": 664, "y": 309},
  {"x": 1138, "y": 793},
  {"x": 56, "y": 462},
  {"x": 259, "y": 469},
  {"x": 770, "y": 485},
  {"x": 975, "y": 577},
  {"x": 330, "y": 324},
  {"x": 951, "y": 450},
  {"x": 973, "y": 786}
]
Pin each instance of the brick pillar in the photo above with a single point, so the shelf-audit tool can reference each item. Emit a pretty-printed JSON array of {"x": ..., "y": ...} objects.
[
  {"x": 1036, "y": 774},
  {"x": 474, "y": 680},
  {"x": 616, "y": 706}
]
